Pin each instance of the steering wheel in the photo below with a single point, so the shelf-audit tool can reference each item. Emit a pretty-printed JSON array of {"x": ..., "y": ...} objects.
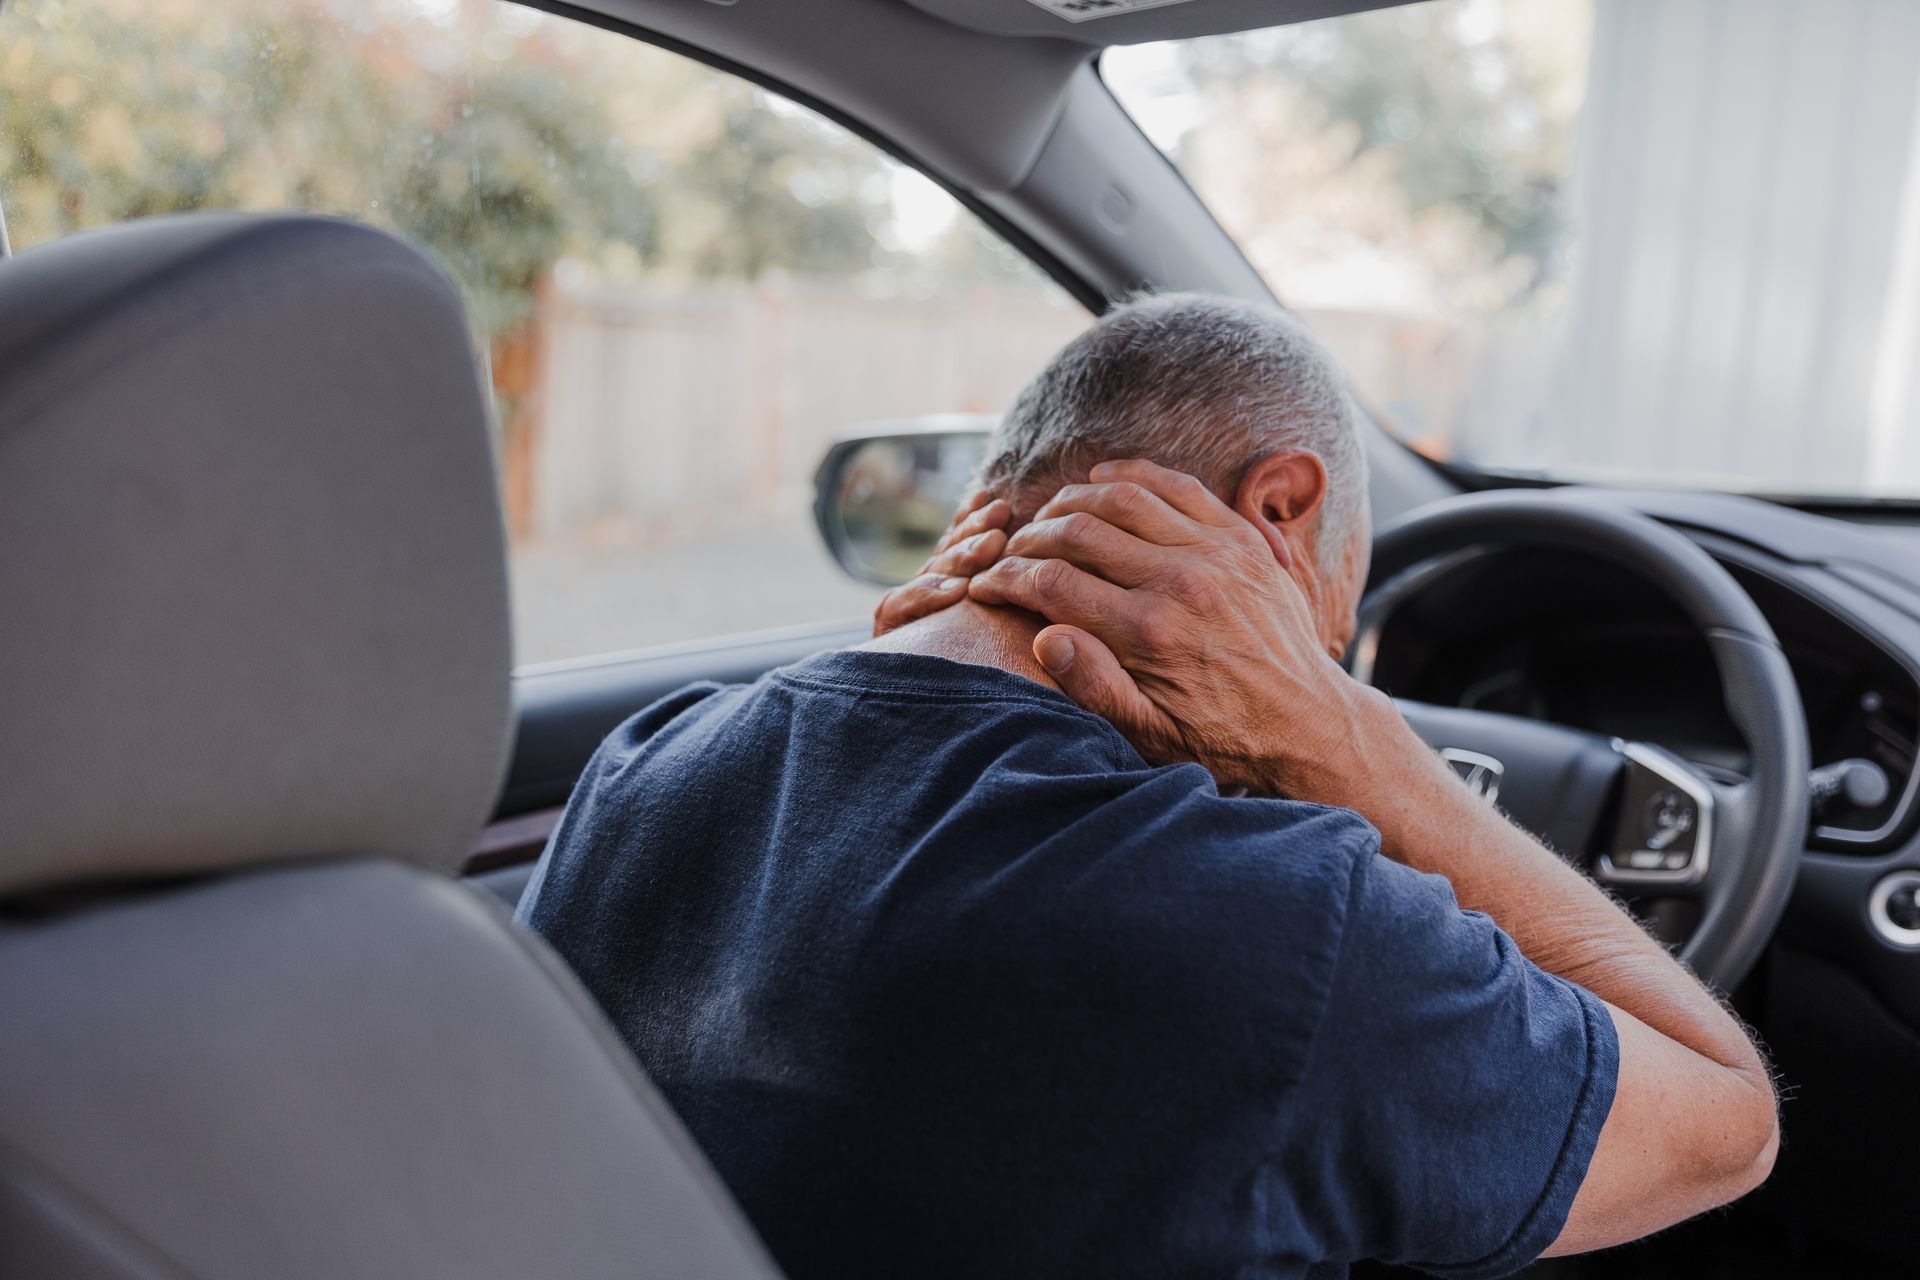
[{"x": 1653, "y": 825}]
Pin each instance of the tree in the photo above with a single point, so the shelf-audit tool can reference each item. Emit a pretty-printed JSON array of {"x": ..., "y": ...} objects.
[
  {"x": 498, "y": 139},
  {"x": 1441, "y": 132}
]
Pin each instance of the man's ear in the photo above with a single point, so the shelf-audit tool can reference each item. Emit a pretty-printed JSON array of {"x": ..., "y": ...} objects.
[{"x": 1279, "y": 495}]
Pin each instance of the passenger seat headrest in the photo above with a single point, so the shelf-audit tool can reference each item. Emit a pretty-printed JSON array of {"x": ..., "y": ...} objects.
[{"x": 253, "y": 598}]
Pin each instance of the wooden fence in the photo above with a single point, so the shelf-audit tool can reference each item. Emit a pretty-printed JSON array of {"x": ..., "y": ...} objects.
[{"x": 658, "y": 410}]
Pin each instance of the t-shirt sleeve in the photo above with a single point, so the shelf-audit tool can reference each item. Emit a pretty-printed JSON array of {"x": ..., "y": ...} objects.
[{"x": 1453, "y": 1093}]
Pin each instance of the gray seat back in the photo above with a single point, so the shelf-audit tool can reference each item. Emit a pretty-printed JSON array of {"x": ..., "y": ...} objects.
[{"x": 255, "y": 655}]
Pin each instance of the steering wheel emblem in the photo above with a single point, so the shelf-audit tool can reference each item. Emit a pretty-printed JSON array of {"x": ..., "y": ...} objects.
[{"x": 1480, "y": 772}]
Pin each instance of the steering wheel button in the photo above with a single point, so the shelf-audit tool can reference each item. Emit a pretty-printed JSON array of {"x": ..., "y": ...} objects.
[
  {"x": 1645, "y": 859},
  {"x": 1675, "y": 861},
  {"x": 1666, "y": 822}
]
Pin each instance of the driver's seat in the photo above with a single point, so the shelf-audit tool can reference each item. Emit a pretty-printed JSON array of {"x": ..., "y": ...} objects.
[{"x": 253, "y": 639}]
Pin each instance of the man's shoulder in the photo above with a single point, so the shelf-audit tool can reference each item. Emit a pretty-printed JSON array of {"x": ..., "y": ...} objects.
[
  {"x": 882, "y": 676},
  {"x": 853, "y": 729},
  {"x": 901, "y": 705},
  {"x": 1044, "y": 769},
  {"x": 1172, "y": 849},
  {"x": 987, "y": 768}
]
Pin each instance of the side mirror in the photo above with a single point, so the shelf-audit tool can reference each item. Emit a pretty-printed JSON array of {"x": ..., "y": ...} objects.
[{"x": 886, "y": 491}]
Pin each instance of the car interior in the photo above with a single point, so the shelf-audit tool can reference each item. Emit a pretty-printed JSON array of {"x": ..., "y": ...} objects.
[{"x": 279, "y": 769}]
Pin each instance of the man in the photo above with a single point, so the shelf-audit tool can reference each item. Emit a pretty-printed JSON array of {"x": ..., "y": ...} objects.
[{"x": 951, "y": 977}]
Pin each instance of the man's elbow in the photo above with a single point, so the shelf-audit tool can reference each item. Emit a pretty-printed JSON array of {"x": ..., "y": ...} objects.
[
  {"x": 1760, "y": 1167},
  {"x": 1752, "y": 1139}
]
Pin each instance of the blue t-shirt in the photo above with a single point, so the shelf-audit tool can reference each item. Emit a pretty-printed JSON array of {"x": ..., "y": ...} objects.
[{"x": 949, "y": 982}]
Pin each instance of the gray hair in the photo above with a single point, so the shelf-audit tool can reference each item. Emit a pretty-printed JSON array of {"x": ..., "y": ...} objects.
[{"x": 1202, "y": 384}]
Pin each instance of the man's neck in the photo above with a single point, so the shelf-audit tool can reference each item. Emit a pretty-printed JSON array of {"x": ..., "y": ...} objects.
[{"x": 968, "y": 632}]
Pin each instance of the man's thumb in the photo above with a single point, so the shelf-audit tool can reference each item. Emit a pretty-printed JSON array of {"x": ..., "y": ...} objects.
[{"x": 1086, "y": 671}]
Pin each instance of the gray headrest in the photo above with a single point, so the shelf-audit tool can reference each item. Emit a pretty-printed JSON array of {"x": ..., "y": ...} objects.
[{"x": 252, "y": 575}]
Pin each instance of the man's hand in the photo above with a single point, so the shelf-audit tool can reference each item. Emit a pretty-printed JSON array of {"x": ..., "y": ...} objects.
[
  {"x": 973, "y": 541},
  {"x": 1178, "y": 622}
]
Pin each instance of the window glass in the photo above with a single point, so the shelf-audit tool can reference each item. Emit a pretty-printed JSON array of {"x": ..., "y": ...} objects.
[
  {"x": 1672, "y": 243},
  {"x": 681, "y": 285}
]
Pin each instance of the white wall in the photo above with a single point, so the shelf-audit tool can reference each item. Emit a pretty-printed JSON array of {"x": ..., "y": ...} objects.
[{"x": 1746, "y": 290}]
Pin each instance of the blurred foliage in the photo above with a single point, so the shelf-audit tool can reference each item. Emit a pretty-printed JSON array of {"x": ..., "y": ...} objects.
[
  {"x": 500, "y": 138},
  {"x": 1440, "y": 132},
  {"x": 1458, "y": 114}
]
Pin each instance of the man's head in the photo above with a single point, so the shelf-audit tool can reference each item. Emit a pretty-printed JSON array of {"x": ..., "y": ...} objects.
[{"x": 1239, "y": 396}]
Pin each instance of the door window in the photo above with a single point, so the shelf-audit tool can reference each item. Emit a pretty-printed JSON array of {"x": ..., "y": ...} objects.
[{"x": 681, "y": 285}]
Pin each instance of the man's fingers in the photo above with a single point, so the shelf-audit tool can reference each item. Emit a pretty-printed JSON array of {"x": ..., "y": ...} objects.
[
  {"x": 968, "y": 558},
  {"x": 1179, "y": 490},
  {"x": 975, "y": 499},
  {"x": 1125, "y": 505},
  {"x": 974, "y": 542},
  {"x": 1087, "y": 672},
  {"x": 1091, "y": 543},
  {"x": 980, "y": 513},
  {"x": 1060, "y": 592},
  {"x": 911, "y": 601}
]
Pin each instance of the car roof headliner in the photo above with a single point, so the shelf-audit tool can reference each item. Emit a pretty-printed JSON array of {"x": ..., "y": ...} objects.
[{"x": 1150, "y": 20}]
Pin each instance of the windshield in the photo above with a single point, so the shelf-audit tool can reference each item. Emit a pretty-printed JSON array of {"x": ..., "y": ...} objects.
[{"x": 1672, "y": 244}]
